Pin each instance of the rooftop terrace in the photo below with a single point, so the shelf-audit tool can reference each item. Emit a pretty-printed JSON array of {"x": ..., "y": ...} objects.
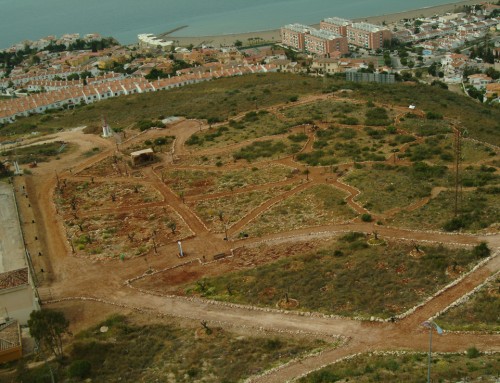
[{"x": 337, "y": 21}]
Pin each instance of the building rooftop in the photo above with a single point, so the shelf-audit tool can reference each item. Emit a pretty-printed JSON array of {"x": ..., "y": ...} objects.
[
  {"x": 337, "y": 21},
  {"x": 14, "y": 278},
  {"x": 297, "y": 27},
  {"x": 149, "y": 38},
  {"x": 327, "y": 35},
  {"x": 10, "y": 335},
  {"x": 367, "y": 27},
  {"x": 143, "y": 151},
  {"x": 11, "y": 241}
]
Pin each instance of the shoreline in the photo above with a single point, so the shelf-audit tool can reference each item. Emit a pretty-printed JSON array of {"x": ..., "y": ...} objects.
[{"x": 273, "y": 35}]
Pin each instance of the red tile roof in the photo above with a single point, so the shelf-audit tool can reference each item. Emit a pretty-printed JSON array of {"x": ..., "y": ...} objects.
[{"x": 14, "y": 278}]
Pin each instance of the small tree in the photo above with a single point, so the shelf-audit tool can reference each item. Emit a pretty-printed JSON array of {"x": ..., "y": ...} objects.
[
  {"x": 172, "y": 225},
  {"x": 207, "y": 329},
  {"x": 306, "y": 172},
  {"x": 48, "y": 327},
  {"x": 4, "y": 170}
]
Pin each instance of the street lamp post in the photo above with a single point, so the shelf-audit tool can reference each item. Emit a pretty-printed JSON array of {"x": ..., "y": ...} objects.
[{"x": 431, "y": 325}]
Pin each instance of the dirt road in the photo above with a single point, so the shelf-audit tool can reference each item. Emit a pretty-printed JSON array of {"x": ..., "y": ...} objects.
[{"x": 68, "y": 277}]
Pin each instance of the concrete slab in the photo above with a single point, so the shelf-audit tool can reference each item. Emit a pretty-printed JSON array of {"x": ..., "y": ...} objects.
[{"x": 11, "y": 241}]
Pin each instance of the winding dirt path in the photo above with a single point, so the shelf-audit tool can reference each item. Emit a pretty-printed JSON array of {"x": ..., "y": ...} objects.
[{"x": 67, "y": 277}]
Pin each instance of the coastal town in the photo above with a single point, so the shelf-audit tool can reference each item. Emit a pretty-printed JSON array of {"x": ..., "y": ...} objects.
[
  {"x": 460, "y": 48},
  {"x": 298, "y": 205}
]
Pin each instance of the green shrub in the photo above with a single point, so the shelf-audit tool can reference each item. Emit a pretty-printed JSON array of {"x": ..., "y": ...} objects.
[
  {"x": 391, "y": 129},
  {"x": 349, "y": 121},
  {"x": 80, "y": 369},
  {"x": 352, "y": 236},
  {"x": 194, "y": 140},
  {"x": 454, "y": 224},
  {"x": 482, "y": 250},
  {"x": 434, "y": 116},
  {"x": 403, "y": 138},
  {"x": 299, "y": 137},
  {"x": 264, "y": 149},
  {"x": 473, "y": 352},
  {"x": 366, "y": 217},
  {"x": 377, "y": 117}
]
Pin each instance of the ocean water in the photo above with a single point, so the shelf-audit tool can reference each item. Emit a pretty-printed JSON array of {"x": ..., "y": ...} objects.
[{"x": 124, "y": 19}]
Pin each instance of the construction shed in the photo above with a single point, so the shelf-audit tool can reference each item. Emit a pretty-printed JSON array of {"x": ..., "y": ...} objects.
[{"x": 142, "y": 156}]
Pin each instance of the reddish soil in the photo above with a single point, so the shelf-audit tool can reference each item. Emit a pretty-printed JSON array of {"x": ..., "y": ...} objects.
[{"x": 72, "y": 278}]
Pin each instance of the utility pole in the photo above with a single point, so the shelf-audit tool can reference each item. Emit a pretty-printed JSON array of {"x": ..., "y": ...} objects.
[{"x": 431, "y": 326}]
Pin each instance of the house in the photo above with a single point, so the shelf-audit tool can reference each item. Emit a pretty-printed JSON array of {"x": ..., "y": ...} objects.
[
  {"x": 11, "y": 347},
  {"x": 479, "y": 80},
  {"x": 489, "y": 8},
  {"x": 454, "y": 63},
  {"x": 282, "y": 64},
  {"x": 493, "y": 92},
  {"x": 325, "y": 65}
]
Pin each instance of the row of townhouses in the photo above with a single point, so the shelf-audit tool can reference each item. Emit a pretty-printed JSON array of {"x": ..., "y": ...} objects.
[
  {"x": 47, "y": 74},
  {"x": 66, "y": 39},
  {"x": 93, "y": 92}
]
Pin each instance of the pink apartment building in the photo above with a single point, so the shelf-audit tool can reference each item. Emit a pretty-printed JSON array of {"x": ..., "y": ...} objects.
[
  {"x": 293, "y": 36},
  {"x": 335, "y": 25},
  {"x": 367, "y": 35},
  {"x": 360, "y": 34},
  {"x": 305, "y": 38},
  {"x": 325, "y": 42}
]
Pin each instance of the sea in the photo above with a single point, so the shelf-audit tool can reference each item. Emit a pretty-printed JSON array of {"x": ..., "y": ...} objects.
[{"x": 124, "y": 19}]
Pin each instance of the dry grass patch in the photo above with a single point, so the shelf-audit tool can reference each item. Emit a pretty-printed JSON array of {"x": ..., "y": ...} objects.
[
  {"x": 125, "y": 234},
  {"x": 199, "y": 182},
  {"x": 318, "y": 205},
  {"x": 223, "y": 212},
  {"x": 424, "y": 127},
  {"x": 341, "y": 145},
  {"x": 480, "y": 313},
  {"x": 39, "y": 152},
  {"x": 411, "y": 368},
  {"x": 73, "y": 196},
  {"x": 342, "y": 112},
  {"x": 113, "y": 166},
  {"x": 324, "y": 110},
  {"x": 384, "y": 187},
  {"x": 252, "y": 125},
  {"x": 173, "y": 281},
  {"x": 473, "y": 152},
  {"x": 170, "y": 351},
  {"x": 347, "y": 277},
  {"x": 480, "y": 120},
  {"x": 479, "y": 209}
]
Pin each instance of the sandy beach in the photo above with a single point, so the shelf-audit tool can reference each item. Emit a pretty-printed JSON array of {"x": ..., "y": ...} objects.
[{"x": 274, "y": 35}]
